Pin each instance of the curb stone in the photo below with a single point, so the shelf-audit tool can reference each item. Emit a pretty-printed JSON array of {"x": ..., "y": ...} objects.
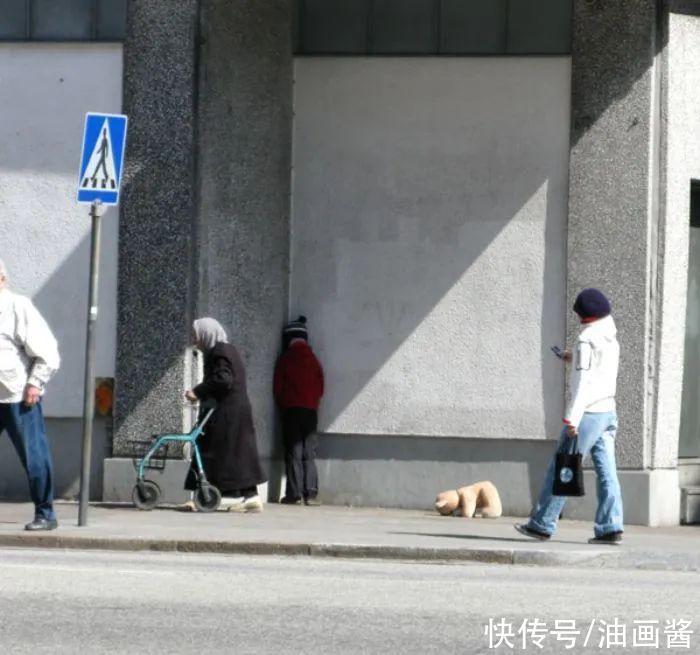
[{"x": 616, "y": 557}]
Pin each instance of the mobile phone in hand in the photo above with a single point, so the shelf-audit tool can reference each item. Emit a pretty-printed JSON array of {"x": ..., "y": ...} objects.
[{"x": 558, "y": 351}]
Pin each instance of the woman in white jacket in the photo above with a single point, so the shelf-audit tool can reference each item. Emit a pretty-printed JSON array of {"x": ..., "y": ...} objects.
[{"x": 591, "y": 416}]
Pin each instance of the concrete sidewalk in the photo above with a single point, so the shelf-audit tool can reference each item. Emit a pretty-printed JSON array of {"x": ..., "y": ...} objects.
[{"x": 351, "y": 532}]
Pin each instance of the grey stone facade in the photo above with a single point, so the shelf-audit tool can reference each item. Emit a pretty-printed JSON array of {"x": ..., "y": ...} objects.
[
  {"x": 612, "y": 211},
  {"x": 205, "y": 210},
  {"x": 245, "y": 134},
  {"x": 682, "y": 90},
  {"x": 205, "y": 231},
  {"x": 156, "y": 239}
]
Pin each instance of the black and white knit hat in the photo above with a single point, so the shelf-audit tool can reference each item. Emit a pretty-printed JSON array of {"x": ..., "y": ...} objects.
[{"x": 295, "y": 330}]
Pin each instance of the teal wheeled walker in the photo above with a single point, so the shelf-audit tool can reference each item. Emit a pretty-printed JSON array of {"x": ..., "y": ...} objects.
[{"x": 146, "y": 493}]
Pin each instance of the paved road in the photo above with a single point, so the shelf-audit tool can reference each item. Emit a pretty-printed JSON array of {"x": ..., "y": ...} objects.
[{"x": 100, "y": 602}]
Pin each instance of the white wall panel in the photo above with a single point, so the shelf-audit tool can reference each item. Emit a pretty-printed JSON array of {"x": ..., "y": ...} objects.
[
  {"x": 46, "y": 89},
  {"x": 429, "y": 241}
]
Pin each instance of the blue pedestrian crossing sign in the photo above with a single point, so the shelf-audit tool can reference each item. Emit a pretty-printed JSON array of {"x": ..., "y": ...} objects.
[{"x": 102, "y": 160}]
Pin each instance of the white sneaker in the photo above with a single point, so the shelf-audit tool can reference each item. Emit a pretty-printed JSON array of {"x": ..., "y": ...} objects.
[{"x": 252, "y": 504}]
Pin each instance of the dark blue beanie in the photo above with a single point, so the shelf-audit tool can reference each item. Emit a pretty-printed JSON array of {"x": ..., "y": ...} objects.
[{"x": 591, "y": 303}]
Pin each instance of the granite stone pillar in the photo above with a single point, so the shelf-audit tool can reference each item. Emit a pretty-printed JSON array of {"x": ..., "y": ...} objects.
[
  {"x": 615, "y": 222},
  {"x": 678, "y": 387},
  {"x": 205, "y": 211},
  {"x": 245, "y": 137},
  {"x": 156, "y": 238}
]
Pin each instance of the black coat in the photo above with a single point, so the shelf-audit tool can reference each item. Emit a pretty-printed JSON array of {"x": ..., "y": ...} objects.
[{"x": 228, "y": 444}]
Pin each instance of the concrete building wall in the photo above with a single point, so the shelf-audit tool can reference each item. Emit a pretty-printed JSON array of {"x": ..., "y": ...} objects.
[
  {"x": 380, "y": 170},
  {"x": 614, "y": 195},
  {"x": 617, "y": 231},
  {"x": 682, "y": 166},
  {"x": 45, "y": 234},
  {"x": 205, "y": 216},
  {"x": 66, "y": 442},
  {"x": 409, "y": 471},
  {"x": 428, "y": 241},
  {"x": 245, "y": 128}
]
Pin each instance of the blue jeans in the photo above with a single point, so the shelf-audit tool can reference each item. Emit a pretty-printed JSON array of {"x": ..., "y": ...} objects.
[
  {"x": 596, "y": 435},
  {"x": 25, "y": 426}
]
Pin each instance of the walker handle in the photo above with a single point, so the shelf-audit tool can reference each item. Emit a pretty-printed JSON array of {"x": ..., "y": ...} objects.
[{"x": 207, "y": 416}]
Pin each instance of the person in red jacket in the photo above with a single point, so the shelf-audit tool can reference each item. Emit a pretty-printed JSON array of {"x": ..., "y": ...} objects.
[{"x": 298, "y": 388}]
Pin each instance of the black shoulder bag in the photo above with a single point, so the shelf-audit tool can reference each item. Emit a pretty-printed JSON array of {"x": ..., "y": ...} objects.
[{"x": 568, "y": 470}]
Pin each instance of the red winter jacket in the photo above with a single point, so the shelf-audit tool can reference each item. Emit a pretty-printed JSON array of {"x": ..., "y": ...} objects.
[{"x": 298, "y": 377}]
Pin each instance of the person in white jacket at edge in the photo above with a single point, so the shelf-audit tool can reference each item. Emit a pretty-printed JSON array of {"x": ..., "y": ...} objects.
[
  {"x": 28, "y": 358},
  {"x": 591, "y": 416}
]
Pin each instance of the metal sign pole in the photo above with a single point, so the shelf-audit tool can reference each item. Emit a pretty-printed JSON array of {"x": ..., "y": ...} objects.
[
  {"x": 96, "y": 210},
  {"x": 99, "y": 181}
]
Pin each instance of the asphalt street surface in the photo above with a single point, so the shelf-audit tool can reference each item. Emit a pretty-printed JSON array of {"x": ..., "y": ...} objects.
[{"x": 102, "y": 602}]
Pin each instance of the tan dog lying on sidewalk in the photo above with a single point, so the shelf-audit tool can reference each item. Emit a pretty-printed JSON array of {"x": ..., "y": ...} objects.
[{"x": 480, "y": 498}]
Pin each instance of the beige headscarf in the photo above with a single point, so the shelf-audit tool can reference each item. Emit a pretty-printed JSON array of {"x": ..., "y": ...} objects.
[{"x": 207, "y": 333}]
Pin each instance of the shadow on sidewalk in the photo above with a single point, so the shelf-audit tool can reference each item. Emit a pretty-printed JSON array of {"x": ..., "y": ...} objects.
[{"x": 483, "y": 538}]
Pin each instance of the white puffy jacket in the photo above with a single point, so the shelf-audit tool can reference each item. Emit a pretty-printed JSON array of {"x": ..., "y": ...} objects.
[
  {"x": 594, "y": 371},
  {"x": 28, "y": 349}
]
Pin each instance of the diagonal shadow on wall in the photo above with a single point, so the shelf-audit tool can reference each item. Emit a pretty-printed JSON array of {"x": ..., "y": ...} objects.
[
  {"x": 614, "y": 45},
  {"x": 412, "y": 242}
]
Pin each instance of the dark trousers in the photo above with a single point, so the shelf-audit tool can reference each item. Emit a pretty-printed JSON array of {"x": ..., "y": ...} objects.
[
  {"x": 300, "y": 441},
  {"x": 25, "y": 426}
]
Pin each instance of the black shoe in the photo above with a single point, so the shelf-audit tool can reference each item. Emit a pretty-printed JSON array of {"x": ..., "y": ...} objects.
[
  {"x": 41, "y": 524},
  {"x": 609, "y": 539},
  {"x": 312, "y": 501},
  {"x": 522, "y": 528},
  {"x": 288, "y": 500}
]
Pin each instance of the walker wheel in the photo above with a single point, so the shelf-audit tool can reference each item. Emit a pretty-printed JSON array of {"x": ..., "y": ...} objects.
[
  {"x": 146, "y": 495},
  {"x": 207, "y": 498}
]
